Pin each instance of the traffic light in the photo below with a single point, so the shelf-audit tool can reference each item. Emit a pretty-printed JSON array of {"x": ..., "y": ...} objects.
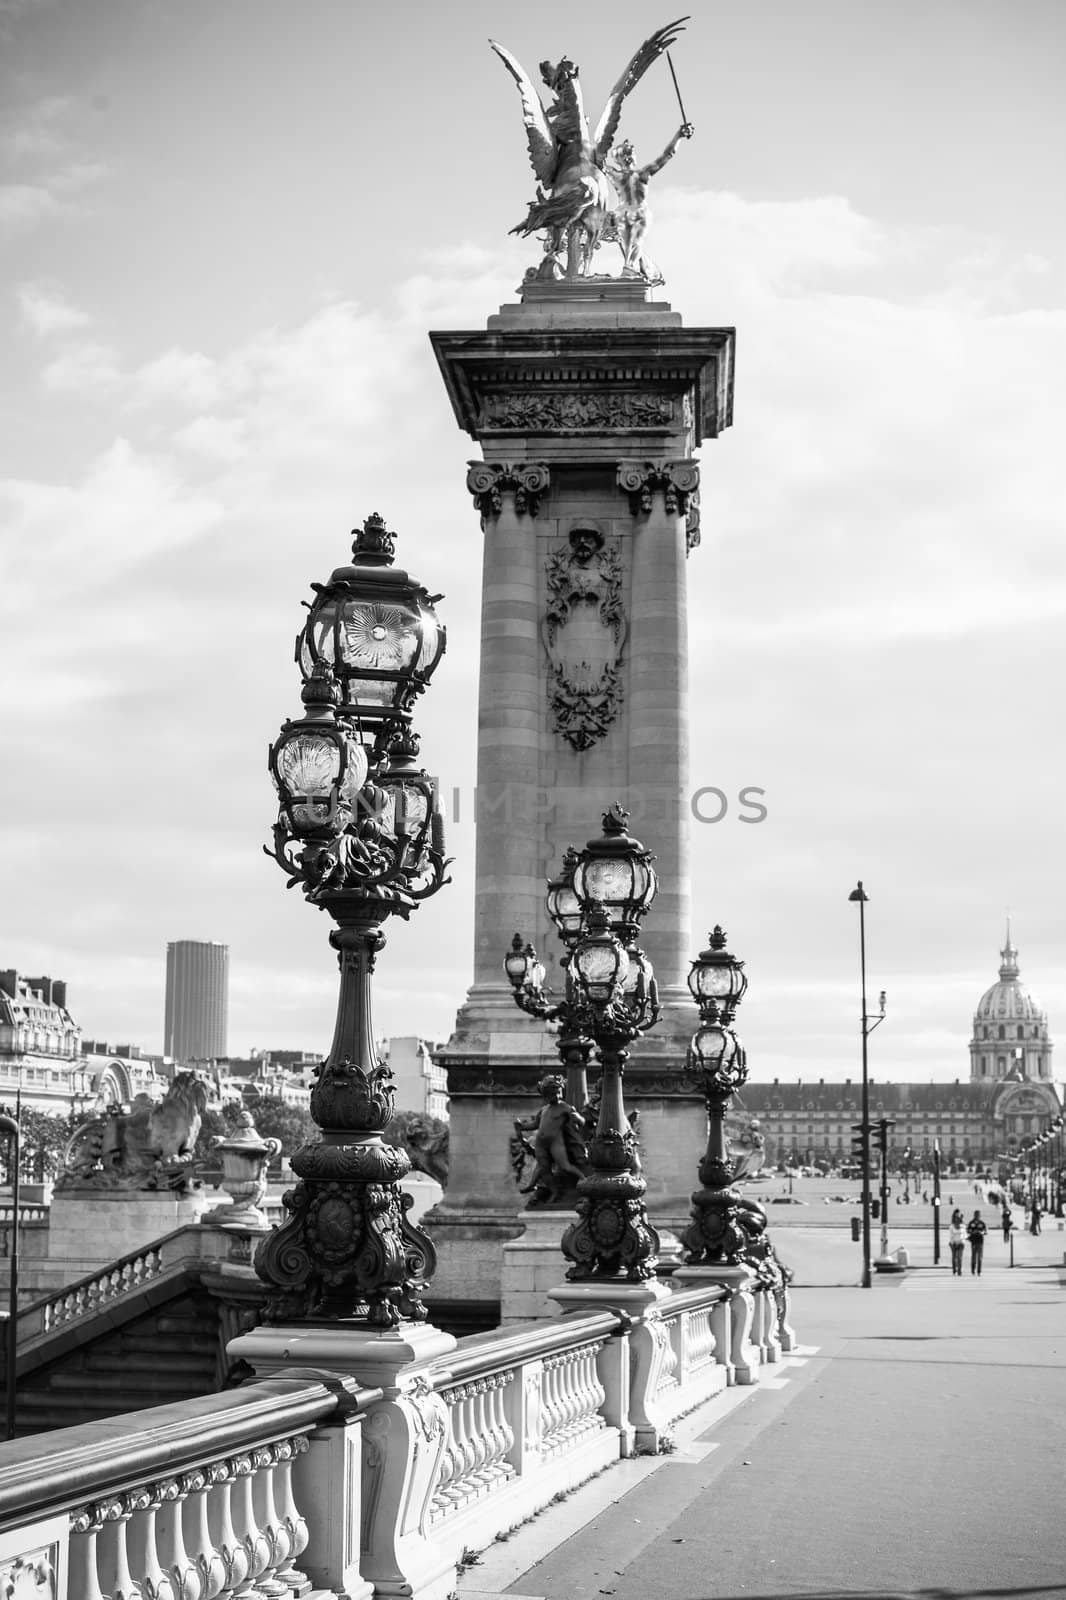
[
  {"x": 879, "y": 1134},
  {"x": 858, "y": 1140},
  {"x": 875, "y": 1209}
]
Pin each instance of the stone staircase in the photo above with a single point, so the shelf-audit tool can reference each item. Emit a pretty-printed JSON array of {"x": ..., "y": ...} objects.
[{"x": 170, "y": 1351}]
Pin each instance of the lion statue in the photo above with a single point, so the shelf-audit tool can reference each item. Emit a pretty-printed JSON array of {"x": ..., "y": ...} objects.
[
  {"x": 148, "y": 1145},
  {"x": 425, "y": 1140}
]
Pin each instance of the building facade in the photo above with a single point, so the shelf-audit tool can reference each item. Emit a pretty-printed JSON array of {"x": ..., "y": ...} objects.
[
  {"x": 421, "y": 1083},
  {"x": 1009, "y": 1099},
  {"x": 40, "y": 1043},
  {"x": 197, "y": 1001}
]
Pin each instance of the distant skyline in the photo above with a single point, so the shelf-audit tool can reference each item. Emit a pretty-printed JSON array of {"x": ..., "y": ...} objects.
[{"x": 227, "y": 231}]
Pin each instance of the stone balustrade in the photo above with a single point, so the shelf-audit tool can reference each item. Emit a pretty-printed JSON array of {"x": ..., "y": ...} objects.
[
  {"x": 277, "y": 1489},
  {"x": 209, "y": 1499}
]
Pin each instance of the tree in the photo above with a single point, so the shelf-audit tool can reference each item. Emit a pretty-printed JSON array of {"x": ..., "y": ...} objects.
[
  {"x": 276, "y": 1119},
  {"x": 43, "y": 1139}
]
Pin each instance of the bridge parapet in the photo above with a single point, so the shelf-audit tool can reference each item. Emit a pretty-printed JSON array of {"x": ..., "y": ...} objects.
[{"x": 285, "y": 1486}]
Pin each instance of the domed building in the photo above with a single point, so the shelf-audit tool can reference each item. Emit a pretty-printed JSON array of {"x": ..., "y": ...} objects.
[
  {"x": 1009, "y": 1100},
  {"x": 1010, "y": 1036}
]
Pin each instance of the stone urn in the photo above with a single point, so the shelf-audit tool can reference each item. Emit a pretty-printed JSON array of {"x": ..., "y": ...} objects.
[{"x": 245, "y": 1159}]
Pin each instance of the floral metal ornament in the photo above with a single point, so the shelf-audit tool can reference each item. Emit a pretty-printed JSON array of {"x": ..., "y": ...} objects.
[
  {"x": 584, "y": 633},
  {"x": 358, "y": 828}
]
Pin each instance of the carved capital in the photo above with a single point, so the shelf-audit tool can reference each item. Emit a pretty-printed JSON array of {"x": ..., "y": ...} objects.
[
  {"x": 489, "y": 481},
  {"x": 678, "y": 481}
]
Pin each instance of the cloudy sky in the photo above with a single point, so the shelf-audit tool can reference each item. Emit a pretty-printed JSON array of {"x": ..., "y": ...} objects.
[{"x": 226, "y": 228}]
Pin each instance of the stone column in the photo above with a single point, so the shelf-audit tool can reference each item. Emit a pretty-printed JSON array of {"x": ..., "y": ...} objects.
[{"x": 588, "y": 400}]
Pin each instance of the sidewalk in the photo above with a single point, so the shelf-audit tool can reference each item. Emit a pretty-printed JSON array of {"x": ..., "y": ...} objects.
[{"x": 914, "y": 1446}]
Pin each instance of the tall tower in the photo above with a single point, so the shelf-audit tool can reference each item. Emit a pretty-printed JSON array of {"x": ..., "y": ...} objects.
[
  {"x": 588, "y": 399},
  {"x": 197, "y": 1000},
  {"x": 1010, "y": 1028}
]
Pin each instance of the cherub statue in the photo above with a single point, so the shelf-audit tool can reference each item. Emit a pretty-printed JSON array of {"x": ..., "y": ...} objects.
[
  {"x": 631, "y": 217},
  {"x": 558, "y": 1144},
  {"x": 573, "y": 195}
]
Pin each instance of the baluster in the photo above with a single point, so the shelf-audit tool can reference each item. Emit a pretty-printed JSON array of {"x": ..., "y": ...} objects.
[
  {"x": 112, "y": 1551},
  {"x": 151, "y": 1577},
  {"x": 235, "y": 1562},
  {"x": 583, "y": 1389},
  {"x": 268, "y": 1520},
  {"x": 502, "y": 1433},
  {"x": 467, "y": 1442},
  {"x": 479, "y": 1435},
  {"x": 444, "y": 1496},
  {"x": 567, "y": 1373},
  {"x": 196, "y": 1535},
  {"x": 85, "y": 1526},
  {"x": 246, "y": 1527},
  {"x": 291, "y": 1520},
  {"x": 597, "y": 1392},
  {"x": 174, "y": 1558},
  {"x": 549, "y": 1401}
]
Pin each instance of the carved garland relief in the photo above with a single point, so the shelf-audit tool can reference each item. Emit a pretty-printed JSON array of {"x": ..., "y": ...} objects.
[
  {"x": 575, "y": 412},
  {"x": 584, "y": 633}
]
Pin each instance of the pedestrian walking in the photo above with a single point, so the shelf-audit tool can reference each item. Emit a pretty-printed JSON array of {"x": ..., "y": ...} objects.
[
  {"x": 1034, "y": 1226},
  {"x": 976, "y": 1229},
  {"x": 1007, "y": 1223},
  {"x": 956, "y": 1243}
]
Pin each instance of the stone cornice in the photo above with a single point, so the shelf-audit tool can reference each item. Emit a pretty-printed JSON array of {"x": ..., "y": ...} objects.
[{"x": 684, "y": 363}]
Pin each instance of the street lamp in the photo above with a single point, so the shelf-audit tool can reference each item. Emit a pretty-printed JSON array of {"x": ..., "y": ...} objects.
[
  {"x": 10, "y": 1126},
  {"x": 868, "y": 1025},
  {"x": 722, "y": 1222},
  {"x": 358, "y": 829},
  {"x": 597, "y": 903}
]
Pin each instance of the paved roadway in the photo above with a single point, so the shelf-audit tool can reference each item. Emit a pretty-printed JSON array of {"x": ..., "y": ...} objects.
[{"x": 915, "y": 1447}]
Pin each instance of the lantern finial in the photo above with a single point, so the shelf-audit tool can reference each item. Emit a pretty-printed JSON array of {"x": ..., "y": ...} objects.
[{"x": 373, "y": 544}]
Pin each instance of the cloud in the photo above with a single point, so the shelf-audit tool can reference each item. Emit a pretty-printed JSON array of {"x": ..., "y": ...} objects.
[
  {"x": 47, "y": 312},
  {"x": 22, "y": 205},
  {"x": 882, "y": 514}
]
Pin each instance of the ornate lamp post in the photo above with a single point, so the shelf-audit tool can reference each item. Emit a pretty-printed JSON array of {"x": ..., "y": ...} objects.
[
  {"x": 357, "y": 829},
  {"x": 597, "y": 903},
  {"x": 722, "y": 1220}
]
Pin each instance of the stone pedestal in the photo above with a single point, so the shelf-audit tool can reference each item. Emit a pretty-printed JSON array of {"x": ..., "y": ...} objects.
[
  {"x": 533, "y": 1265},
  {"x": 587, "y": 399},
  {"x": 402, "y": 1439},
  {"x": 90, "y": 1228}
]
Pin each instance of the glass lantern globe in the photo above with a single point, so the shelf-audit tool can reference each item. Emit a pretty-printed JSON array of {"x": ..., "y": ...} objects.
[
  {"x": 600, "y": 963},
  {"x": 377, "y": 629},
  {"x": 716, "y": 1051},
  {"x": 615, "y": 872},
  {"x": 521, "y": 965},
  {"x": 564, "y": 907},
  {"x": 717, "y": 976},
  {"x": 317, "y": 766},
  {"x": 409, "y": 811}
]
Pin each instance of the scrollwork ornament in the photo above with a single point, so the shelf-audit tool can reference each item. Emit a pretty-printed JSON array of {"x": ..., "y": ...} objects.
[
  {"x": 584, "y": 632},
  {"x": 527, "y": 481},
  {"x": 677, "y": 481}
]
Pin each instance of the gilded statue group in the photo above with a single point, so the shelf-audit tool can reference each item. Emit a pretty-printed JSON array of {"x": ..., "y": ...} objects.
[{"x": 584, "y": 200}]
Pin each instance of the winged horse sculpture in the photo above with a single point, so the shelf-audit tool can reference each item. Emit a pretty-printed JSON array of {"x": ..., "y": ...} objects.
[{"x": 574, "y": 196}]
